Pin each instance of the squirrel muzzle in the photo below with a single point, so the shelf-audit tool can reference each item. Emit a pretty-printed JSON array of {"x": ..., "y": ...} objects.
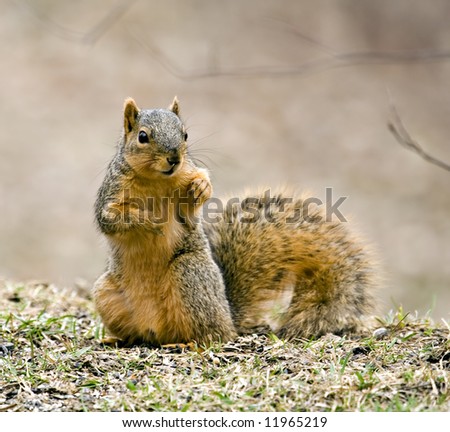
[{"x": 173, "y": 161}]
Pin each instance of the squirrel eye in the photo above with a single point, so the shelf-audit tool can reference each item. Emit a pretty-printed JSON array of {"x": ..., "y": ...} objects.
[
  {"x": 143, "y": 137},
  {"x": 185, "y": 136}
]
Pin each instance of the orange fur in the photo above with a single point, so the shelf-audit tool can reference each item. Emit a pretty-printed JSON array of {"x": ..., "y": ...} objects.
[{"x": 141, "y": 297}]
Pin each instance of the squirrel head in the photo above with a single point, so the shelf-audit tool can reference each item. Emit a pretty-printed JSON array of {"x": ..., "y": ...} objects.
[{"x": 154, "y": 140}]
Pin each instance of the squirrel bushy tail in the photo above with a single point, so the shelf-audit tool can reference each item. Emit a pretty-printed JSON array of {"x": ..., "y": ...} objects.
[{"x": 289, "y": 271}]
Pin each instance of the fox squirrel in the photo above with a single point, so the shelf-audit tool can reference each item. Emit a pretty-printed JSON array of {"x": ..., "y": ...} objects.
[{"x": 173, "y": 278}]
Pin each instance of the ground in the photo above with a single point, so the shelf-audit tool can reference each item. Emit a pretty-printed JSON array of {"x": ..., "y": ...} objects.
[{"x": 52, "y": 359}]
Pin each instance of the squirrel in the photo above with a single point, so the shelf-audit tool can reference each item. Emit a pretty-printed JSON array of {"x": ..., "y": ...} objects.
[{"x": 173, "y": 278}]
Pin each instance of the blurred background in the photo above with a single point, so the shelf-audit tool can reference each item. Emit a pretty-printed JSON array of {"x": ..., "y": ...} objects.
[{"x": 273, "y": 92}]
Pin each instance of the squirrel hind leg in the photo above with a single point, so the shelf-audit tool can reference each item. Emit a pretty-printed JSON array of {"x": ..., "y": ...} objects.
[
  {"x": 315, "y": 319},
  {"x": 314, "y": 323},
  {"x": 324, "y": 303}
]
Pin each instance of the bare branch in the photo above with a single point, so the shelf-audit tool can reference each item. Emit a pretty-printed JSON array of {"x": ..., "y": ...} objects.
[
  {"x": 51, "y": 26},
  {"x": 306, "y": 38},
  {"x": 241, "y": 72},
  {"x": 331, "y": 61},
  {"x": 400, "y": 133},
  {"x": 90, "y": 37},
  {"x": 107, "y": 22},
  {"x": 318, "y": 65}
]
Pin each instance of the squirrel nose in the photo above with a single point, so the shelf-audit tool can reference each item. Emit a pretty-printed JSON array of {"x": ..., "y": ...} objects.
[{"x": 173, "y": 160}]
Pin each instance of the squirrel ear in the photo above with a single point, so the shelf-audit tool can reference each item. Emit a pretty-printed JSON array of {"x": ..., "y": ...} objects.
[
  {"x": 130, "y": 113},
  {"x": 175, "y": 106}
]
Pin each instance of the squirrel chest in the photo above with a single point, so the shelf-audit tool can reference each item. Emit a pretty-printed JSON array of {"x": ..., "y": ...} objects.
[{"x": 153, "y": 303}]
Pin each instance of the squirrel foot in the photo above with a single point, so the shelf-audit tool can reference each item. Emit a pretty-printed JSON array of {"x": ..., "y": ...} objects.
[
  {"x": 112, "y": 341},
  {"x": 179, "y": 347}
]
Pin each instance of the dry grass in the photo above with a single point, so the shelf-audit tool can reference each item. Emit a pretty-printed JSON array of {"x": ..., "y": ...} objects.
[{"x": 52, "y": 360}]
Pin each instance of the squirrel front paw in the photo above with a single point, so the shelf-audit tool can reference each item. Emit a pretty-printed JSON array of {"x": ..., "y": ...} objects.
[{"x": 200, "y": 189}]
